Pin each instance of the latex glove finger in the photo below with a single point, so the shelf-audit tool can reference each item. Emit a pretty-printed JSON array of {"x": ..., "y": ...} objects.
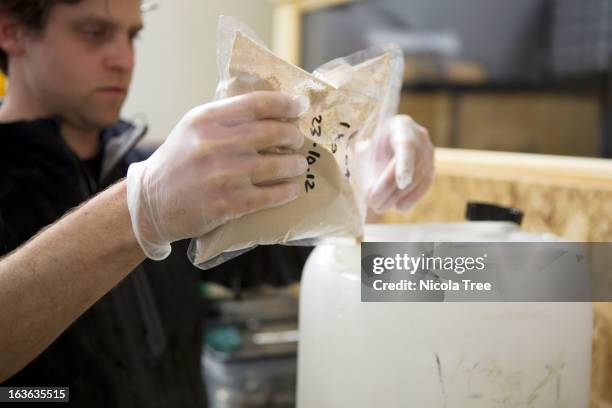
[
  {"x": 261, "y": 197},
  {"x": 383, "y": 188},
  {"x": 256, "y": 105},
  {"x": 407, "y": 141},
  {"x": 419, "y": 175},
  {"x": 267, "y": 135},
  {"x": 401, "y": 199},
  {"x": 408, "y": 201},
  {"x": 404, "y": 145},
  {"x": 275, "y": 167}
]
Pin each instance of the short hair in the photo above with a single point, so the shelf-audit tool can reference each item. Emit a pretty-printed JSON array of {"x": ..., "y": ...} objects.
[{"x": 33, "y": 14}]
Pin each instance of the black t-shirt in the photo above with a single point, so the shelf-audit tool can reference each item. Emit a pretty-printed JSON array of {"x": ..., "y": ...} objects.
[
  {"x": 140, "y": 344},
  {"x": 94, "y": 165}
]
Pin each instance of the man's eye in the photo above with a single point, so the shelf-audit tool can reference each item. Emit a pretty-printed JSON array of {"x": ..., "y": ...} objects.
[{"x": 95, "y": 34}]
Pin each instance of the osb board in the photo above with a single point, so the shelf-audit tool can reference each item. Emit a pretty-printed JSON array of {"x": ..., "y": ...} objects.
[
  {"x": 571, "y": 212},
  {"x": 570, "y": 197},
  {"x": 310, "y": 5},
  {"x": 536, "y": 122},
  {"x": 287, "y": 25},
  {"x": 601, "y": 396},
  {"x": 573, "y": 201}
]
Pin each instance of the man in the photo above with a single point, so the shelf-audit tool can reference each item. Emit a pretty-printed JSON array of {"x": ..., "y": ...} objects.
[{"x": 79, "y": 304}]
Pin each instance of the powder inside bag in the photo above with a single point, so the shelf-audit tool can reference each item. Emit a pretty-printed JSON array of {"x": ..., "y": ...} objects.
[{"x": 340, "y": 109}]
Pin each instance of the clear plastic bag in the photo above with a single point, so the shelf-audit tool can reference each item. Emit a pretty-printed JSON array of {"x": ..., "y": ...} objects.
[{"x": 348, "y": 100}]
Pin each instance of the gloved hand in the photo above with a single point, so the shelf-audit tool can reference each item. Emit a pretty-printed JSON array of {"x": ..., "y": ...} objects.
[
  {"x": 407, "y": 153},
  {"x": 211, "y": 169}
]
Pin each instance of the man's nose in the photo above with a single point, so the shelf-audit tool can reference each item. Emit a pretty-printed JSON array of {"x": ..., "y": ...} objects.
[{"x": 120, "y": 55}]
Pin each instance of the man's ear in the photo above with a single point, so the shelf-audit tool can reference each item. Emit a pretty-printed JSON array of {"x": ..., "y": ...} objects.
[{"x": 12, "y": 34}]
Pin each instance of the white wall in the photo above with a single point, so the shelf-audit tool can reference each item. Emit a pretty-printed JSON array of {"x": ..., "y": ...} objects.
[{"x": 176, "y": 57}]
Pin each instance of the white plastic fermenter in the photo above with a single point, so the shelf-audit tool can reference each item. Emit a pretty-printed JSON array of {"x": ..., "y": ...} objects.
[{"x": 430, "y": 355}]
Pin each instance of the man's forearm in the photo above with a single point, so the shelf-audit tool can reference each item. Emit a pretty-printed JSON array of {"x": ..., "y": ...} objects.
[{"x": 50, "y": 281}]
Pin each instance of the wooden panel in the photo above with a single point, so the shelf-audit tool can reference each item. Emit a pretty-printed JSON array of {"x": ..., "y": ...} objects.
[
  {"x": 432, "y": 110},
  {"x": 564, "y": 124},
  {"x": 601, "y": 395},
  {"x": 287, "y": 30},
  {"x": 570, "y": 197},
  {"x": 574, "y": 213},
  {"x": 286, "y": 33},
  {"x": 567, "y": 196}
]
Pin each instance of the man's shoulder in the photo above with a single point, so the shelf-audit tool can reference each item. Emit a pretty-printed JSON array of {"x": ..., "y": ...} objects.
[
  {"x": 28, "y": 141},
  {"x": 139, "y": 154}
]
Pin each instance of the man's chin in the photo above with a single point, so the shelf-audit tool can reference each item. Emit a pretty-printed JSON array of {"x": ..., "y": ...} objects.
[
  {"x": 104, "y": 112},
  {"x": 103, "y": 119}
]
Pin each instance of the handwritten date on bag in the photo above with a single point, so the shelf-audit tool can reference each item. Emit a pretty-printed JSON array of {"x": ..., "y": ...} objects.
[{"x": 313, "y": 155}]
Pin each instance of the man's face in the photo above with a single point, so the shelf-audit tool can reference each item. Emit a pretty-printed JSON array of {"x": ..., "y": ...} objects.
[{"x": 80, "y": 66}]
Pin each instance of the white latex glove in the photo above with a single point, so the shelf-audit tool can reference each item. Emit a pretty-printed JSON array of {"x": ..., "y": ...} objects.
[
  {"x": 407, "y": 153},
  {"x": 211, "y": 169}
]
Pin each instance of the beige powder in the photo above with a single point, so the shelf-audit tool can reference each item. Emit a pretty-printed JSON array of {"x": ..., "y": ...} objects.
[{"x": 341, "y": 107}]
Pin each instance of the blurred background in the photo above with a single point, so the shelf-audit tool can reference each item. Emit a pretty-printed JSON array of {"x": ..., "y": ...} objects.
[
  {"x": 526, "y": 75},
  {"x": 473, "y": 67}
]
